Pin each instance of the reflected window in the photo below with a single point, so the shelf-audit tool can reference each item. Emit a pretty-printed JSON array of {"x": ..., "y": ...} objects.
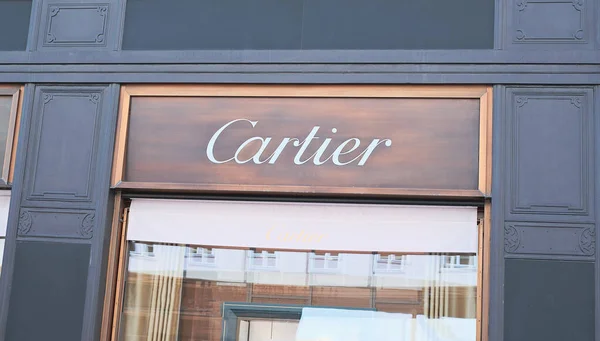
[
  {"x": 390, "y": 263},
  {"x": 460, "y": 262},
  {"x": 325, "y": 262},
  {"x": 262, "y": 260},
  {"x": 201, "y": 256},
  {"x": 142, "y": 250}
]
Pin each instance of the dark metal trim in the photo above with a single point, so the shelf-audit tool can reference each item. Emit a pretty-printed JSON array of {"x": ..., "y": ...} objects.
[{"x": 314, "y": 199}]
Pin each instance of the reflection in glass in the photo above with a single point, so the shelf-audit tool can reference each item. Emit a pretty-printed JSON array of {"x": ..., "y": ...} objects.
[
  {"x": 177, "y": 292},
  {"x": 2, "y": 240}
]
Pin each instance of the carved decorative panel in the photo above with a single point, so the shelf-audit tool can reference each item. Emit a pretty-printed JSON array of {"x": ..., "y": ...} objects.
[
  {"x": 79, "y": 24},
  {"x": 552, "y": 22},
  {"x": 550, "y": 159},
  {"x": 550, "y": 239},
  {"x": 76, "y": 24},
  {"x": 56, "y": 223},
  {"x": 62, "y": 157}
]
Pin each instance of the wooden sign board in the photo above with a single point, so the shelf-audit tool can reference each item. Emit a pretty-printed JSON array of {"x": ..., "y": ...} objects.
[{"x": 380, "y": 140}]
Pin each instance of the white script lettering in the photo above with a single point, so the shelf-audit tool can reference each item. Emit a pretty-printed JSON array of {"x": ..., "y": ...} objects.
[{"x": 303, "y": 147}]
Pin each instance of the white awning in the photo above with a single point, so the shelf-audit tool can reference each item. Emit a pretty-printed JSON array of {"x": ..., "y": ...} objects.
[
  {"x": 4, "y": 205},
  {"x": 304, "y": 226}
]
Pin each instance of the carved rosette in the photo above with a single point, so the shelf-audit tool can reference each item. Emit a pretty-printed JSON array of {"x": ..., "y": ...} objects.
[
  {"x": 578, "y": 5},
  {"x": 512, "y": 239},
  {"x": 86, "y": 229},
  {"x": 24, "y": 222},
  {"x": 54, "y": 11},
  {"x": 50, "y": 38},
  {"x": 48, "y": 98},
  {"x": 521, "y": 5},
  {"x": 587, "y": 241},
  {"x": 94, "y": 98},
  {"x": 521, "y": 101}
]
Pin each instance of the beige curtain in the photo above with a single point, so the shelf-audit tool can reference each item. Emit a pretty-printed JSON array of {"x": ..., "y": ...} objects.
[
  {"x": 445, "y": 299},
  {"x": 442, "y": 298},
  {"x": 435, "y": 290},
  {"x": 153, "y": 295}
]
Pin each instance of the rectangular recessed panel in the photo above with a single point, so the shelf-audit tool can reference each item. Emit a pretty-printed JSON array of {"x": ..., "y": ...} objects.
[
  {"x": 308, "y": 24},
  {"x": 49, "y": 299},
  {"x": 551, "y": 160},
  {"x": 64, "y": 161},
  {"x": 549, "y": 300},
  {"x": 305, "y": 226}
]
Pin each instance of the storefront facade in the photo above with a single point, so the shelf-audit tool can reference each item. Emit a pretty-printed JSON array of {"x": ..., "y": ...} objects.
[{"x": 300, "y": 171}]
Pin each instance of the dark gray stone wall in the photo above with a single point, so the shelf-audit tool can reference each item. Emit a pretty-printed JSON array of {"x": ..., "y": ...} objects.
[{"x": 545, "y": 68}]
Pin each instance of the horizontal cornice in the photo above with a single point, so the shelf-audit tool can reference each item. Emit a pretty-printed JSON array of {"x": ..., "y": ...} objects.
[
  {"x": 484, "y": 57},
  {"x": 359, "y": 73}
]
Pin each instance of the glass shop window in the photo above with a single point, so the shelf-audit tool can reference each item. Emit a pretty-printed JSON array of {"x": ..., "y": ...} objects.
[
  {"x": 375, "y": 273},
  {"x": 4, "y": 206}
]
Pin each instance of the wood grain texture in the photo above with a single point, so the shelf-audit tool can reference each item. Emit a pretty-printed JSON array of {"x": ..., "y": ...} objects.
[
  {"x": 114, "y": 255},
  {"x": 120, "y": 275},
  {"x": 15, "y": 141},
  {"x": 435, "y": 141}
]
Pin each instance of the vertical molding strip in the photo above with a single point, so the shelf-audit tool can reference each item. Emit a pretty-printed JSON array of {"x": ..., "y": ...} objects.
[
  {"x": 596, "y": 153},
  {"x": 499, "y": 150},
  {"x": 104, "y": 211}
]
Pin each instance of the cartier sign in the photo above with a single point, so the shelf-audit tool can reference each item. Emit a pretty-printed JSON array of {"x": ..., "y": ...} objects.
[
  {"x": 318, "y": 158},
  {"x": 272, "y": 142}
]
